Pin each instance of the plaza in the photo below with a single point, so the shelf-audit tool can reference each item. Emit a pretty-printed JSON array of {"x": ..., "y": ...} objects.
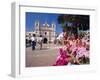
[{"x": 44, "y": 57}]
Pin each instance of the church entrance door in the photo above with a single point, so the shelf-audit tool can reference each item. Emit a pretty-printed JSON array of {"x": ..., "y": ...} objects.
[{"x": 45, "y": 40}]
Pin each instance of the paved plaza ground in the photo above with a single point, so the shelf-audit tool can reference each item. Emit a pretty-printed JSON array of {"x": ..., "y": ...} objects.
[{"x": 44, "y": 57}]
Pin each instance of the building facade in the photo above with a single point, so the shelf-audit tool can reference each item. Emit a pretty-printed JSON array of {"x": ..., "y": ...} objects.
[{"x": 46, "y": 30}]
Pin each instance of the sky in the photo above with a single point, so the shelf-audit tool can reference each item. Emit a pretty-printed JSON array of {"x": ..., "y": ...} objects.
[{"x": 31, "y": 17}]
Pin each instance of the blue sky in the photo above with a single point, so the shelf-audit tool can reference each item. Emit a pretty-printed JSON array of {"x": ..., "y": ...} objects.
[{"x": 31, "y": 17}]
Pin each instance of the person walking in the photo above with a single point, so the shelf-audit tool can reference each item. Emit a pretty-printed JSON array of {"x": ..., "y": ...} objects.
[
  {"x": 40, "y": 41},
  {"x": 33, "y": 42}
]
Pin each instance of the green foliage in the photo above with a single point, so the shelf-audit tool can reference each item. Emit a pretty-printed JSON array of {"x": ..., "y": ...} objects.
[{"x": 76, "y": 20}]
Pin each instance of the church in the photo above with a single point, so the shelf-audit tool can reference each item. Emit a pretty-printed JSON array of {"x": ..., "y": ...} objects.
[{"x": 48, "y": 31}]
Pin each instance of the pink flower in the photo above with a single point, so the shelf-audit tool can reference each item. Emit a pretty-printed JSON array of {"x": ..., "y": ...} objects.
[
  {"x": 61, "y": 59},
  {"x": 82, "y": 52},
  {"x": 86, "y": 54}
]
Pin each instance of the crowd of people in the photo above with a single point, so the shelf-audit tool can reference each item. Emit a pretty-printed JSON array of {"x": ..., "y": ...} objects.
[
  {"x": 75, "y": 50},
  {"x": 31, "y": 41}
]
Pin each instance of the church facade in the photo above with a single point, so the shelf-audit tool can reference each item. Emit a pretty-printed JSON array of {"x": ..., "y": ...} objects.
[{"x": 46, "y": 30}]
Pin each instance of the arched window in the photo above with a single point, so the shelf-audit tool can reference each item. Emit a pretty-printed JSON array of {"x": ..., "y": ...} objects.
[{"x": 45, "y": 33}]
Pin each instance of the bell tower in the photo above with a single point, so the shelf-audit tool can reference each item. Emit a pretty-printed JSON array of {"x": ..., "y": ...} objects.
[
  {"x": 37, "y": 27},
  {"x": 37, "y": 24},
  {"x": 53, "y": 26}
]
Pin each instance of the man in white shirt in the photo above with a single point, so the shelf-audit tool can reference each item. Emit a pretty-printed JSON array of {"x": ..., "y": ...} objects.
[{"x": 33, "y": 42}]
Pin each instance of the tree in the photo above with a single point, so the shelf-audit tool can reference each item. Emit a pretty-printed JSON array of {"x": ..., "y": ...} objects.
[{"x": 73, "y": 22}]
